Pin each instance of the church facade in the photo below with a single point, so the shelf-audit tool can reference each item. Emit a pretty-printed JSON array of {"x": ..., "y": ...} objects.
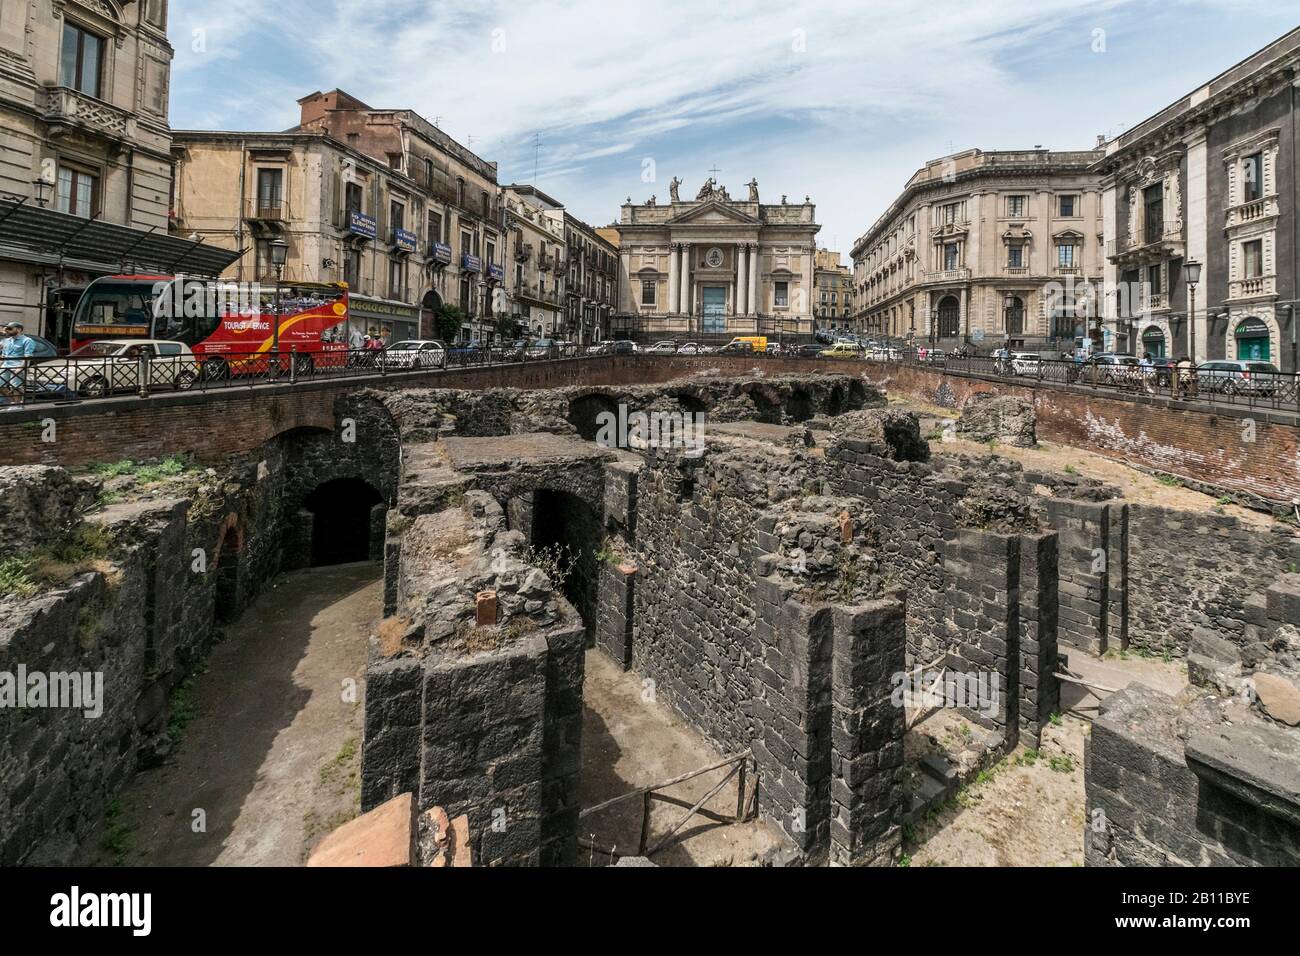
[{"x": 716, "y": 266}]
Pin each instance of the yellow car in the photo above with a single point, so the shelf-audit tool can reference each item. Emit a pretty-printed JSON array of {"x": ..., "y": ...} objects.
[{"x": 843, "y": 350}]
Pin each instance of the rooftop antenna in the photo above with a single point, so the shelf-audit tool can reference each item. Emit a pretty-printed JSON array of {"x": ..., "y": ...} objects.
[
  {"x": 436, "y": 121},
  {"x": 537, "y": 152}
]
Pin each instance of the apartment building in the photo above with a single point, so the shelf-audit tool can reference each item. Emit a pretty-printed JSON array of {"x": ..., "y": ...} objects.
[
  {"x": 85, "y": 170},
  {"x": 536, "y": 251},
  {"x": 1200, "y": 212},
  {"x": 591, "y": 287},
  {"x": 987, "y": 250},
  {"x": 833, "y": 282},
  {"x": 380, "y": 199}
]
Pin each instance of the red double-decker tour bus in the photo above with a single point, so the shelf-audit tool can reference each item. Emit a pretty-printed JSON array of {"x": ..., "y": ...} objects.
[{"x": 230, "y": 327}]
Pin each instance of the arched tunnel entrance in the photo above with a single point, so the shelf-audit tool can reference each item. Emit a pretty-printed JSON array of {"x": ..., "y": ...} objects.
[
  {"x": 347, "y": 522},
  {"x": 564, "y": 521},
  {"x": 585, "y": 411}
]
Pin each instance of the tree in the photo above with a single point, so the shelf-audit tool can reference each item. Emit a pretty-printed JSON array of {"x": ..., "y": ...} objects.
[
  {"x": 504, "y": 326},
  {"x": 447, "y": 321}
]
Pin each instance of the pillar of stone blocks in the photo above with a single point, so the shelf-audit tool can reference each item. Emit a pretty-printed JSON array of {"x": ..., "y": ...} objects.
[
  {"x": 869, "y": 649},
  {"x": 390, "y": 763},
  {"x": 791, "y": 715},
  {"x": 620, "y": 496},
  {"x": 1087, "y": 557},
  {"x": 983, "y": 660},
  {"x": 1040, "y": 690},
  {"x": 482, "y": 746},
  {"x": 562, "y": 745},
  {"x": 616, "y": 607}
]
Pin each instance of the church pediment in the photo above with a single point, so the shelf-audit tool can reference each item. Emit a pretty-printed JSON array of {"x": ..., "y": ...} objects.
[{"x": 713, "y": 212}]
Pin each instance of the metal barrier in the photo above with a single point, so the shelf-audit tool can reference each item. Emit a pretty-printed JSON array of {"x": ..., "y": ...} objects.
[{"x": 28, "y": 382}]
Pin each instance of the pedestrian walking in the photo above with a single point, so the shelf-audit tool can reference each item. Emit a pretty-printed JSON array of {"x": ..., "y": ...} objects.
[{"x": 15, "y": 350}]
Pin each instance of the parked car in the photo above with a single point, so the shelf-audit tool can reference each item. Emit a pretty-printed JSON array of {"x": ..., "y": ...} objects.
[
  {"x": 843, "y": 350},
  {"x": 1239, "y": 378},
  {"x": 414, "y": 353},
  {"x": 113, "y": 365},
  {"x": 737, "y": 348},
  {"x": 541, "y": 349},
  {"x": 1026, "y": 363},
  {"x": 690, "y": 348},
  {"x": 662, "y": 348},
  {"x": 465, "y": 353},
  {"x": 934, "y": 355},
  {"x": 1117, "y": 368},
  {"x": 601, "y": 348},
  {"x": 884, "y": 353},
  {"x": 809, "y": 351},
  {"x": 624, "y": 347}
]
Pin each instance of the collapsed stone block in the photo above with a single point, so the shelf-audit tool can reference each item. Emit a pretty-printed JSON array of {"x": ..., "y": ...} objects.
[{"x": 1002, "y": 418}]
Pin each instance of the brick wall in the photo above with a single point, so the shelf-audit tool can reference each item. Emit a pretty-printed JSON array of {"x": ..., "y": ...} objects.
[{"x": 1251, "y": 451}]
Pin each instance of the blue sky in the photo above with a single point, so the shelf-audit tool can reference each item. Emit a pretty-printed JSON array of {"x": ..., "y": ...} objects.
[{"x": 838, "y": 100}]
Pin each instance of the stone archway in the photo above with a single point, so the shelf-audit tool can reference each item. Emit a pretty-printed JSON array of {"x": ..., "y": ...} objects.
[
  {"x": 226, "y": 562},
  {"x": 586, "y": 411},
  {"x": 347, "y": 522}
]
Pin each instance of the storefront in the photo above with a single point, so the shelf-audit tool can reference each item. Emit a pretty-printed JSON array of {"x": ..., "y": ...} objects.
[
  {"x": 1153, "y": 341},
  {"x": 391, "y": 321},
  {"x": 1253, "y": 343}
]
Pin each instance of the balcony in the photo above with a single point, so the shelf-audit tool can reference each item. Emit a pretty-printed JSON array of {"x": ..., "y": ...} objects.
[
  {"x": 1017, "y": 270},
  {"x": 1156, "y": 241},
  {"x": 948, "y": 275},
  {"x": 69, "y": 108},
  {"x": 1263, "y": 208},
  {"x": 1069, "y": 270},
  {"x": 1255, "y": 287},
  {"x": 1154, "y": 302}
]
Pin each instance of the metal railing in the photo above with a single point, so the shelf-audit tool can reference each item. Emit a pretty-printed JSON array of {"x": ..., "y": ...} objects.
[
  {"x": 1209, "y": 383},
  {"x": 30, "y": 382}
]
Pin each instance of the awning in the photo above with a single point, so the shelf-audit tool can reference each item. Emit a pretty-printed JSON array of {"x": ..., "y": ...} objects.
[{"x": 29, "y": 233}]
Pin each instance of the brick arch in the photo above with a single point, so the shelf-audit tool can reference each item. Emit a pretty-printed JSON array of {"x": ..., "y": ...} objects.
[{"x": 230, "y": 537}]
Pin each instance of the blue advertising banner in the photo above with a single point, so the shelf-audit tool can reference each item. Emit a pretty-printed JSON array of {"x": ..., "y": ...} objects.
[
  {"x": 441, "y": 252},
  {"x": 406, "y": 241},
  {"x": 359, "y": 224},
  {"x": 471, "y": 263}
]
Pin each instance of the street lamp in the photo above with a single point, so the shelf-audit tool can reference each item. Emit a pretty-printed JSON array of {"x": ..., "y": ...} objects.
[
  {"x": 279, "y": 255},
  {"x": 1193, "y": 269}
]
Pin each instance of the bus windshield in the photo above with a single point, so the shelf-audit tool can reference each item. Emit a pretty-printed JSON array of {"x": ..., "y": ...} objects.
[{"x": 110, "y": 306}]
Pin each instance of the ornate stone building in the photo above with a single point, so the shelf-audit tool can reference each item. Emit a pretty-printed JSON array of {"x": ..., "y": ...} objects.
[
  {"x": 83, "y": 135},
  {"x": 716, "y": 266},
  {"x": 380, "y": 199},
  {"x": 591, "y": 289},
  {"x": 987, "y": 250},
  {"x": 536, "y": 259},
  {"x": 1209, "y": 180},
  {"x": 834, "y": 284}
]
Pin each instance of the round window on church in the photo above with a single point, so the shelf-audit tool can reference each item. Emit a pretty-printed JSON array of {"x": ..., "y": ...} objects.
[{"x": 713, "y": 259}]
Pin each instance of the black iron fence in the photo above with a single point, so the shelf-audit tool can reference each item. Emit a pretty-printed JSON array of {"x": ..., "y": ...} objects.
[
  {"x": 1215, "y": 382},
  {"x": 142, "y": 372}
]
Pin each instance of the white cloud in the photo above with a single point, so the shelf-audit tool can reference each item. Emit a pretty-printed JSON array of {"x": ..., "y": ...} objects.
[{"x": 838, "y": 99}]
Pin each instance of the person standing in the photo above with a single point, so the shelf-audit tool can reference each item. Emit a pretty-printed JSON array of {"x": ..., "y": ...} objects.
[{"x": 15, "y": 351}]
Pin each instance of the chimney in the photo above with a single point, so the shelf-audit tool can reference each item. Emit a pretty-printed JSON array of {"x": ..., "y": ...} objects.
[{"x": 316, "y": 105}]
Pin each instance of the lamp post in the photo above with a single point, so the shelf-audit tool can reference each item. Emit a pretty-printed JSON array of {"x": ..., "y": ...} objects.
[
  {"x": 1193, "y": 269},
  {"x": 279, "y": 255}
]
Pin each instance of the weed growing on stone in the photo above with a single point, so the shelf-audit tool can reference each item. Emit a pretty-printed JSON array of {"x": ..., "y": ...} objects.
[
  {"x": 1169, "y": 481},
  {"x": 555, "y": 560},
  {"x": 181, "y": 708},
  {"x": 1028, "y": 758},
  {"x": 1061, "y": 763},
  {"x": 117, "y": 834},
  {"x": 15, "y": 578},
  {"x": 1056, "y": 720}
]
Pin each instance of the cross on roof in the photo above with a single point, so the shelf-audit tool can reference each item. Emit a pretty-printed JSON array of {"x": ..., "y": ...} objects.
[{"x": 715, "y": 170}]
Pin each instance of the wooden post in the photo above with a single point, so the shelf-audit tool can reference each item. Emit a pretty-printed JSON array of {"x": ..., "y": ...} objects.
[
  {"x": 740, "y": 793},
  {"x": 645, "y": 822}
]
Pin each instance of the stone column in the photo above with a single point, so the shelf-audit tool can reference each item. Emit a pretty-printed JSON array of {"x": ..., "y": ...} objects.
[
  {"x": 674, "y": 277},
  {"x": 755, "y": 267},
  {"x": 742, "y": 280},
  {"x": 686, "y": 279}
]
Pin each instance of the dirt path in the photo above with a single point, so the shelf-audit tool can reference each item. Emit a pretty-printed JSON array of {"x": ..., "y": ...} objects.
[
  {"x": 1028, "y": 809},
  {"x": 628, "y": 743},
  {"x": 271, "y": 755}
]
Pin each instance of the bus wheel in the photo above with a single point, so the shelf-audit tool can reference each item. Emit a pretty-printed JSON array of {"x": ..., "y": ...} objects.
[
  {"x": 185, "y": 381},
  {"x": 215, "y": 369},
  {"x": 303, "y": 365},
  {"x": 95, "y": 388}
]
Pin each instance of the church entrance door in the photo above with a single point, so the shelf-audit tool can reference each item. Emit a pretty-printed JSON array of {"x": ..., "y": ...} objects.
[{"x": 715, "y": 309}]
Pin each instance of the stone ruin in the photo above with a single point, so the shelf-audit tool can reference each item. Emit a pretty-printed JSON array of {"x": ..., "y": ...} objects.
[{"x": 774, "y": 582}]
